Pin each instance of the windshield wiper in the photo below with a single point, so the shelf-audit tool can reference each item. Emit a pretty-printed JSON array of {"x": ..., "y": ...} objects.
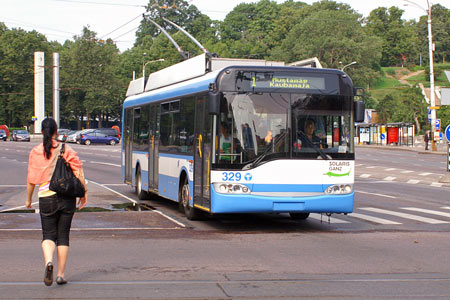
[
  {"x": 318, "y": 150},
  {"x": 269, "y": 147}
]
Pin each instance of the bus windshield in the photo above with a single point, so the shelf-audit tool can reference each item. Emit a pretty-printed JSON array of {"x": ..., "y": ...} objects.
[{"x": 257, "y": 127}]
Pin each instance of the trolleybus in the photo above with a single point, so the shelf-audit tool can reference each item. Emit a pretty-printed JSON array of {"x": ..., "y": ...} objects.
[{"x": 242, "y": 136}]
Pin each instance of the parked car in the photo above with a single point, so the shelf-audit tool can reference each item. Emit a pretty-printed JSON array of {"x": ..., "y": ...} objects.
[
  {"x": 3, "y": 135},
  {"x": 72, "y": 137},
  {"x": 62, "y": 134},
  {"x": 20, "y": 135},
  {"x": 97, "y": 136}
]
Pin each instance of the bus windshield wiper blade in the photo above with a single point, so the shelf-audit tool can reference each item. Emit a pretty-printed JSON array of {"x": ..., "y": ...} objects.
[
  {"x": 272, "y": 143},
  {"x": 318, "y": 150}
]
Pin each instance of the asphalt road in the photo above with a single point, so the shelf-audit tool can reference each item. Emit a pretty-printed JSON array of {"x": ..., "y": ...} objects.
[{"x": 395, "y": 244}]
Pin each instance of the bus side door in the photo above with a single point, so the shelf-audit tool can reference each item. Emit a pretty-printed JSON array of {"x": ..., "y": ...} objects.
[{"x": 202, "y": 155}]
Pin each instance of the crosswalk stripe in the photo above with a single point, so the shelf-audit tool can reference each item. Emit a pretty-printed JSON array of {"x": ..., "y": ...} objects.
[
  {"x": 406, "y": 171},
  {"x": 403, "y": 215},
  {"x": 324, "y": 218},
  {"x": 436, "y": 184},
  {"x": 425, "y": 174},
  {"x": 389, "y": 178},
  {"x": 371, "y": 167},
  {"x": 428, "y": 211},
  {"x": 365, "y": 175},
  {"x": 413, "y": 181},
  {"x": 373, "y": 219},
  {"x": 446, "y": 207},
  {"x": 390, "y": 169},
  {"x": 376, "y": 194}
]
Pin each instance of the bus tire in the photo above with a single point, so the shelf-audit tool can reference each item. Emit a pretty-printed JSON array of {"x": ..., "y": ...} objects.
[
  {"x": 299, "y": 216},
  {"x": 142, "y": 195},
  {"x": 190, "y": 212}
]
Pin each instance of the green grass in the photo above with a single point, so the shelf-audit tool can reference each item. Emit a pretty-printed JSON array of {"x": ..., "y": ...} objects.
[{"x": 386, "y": 82}]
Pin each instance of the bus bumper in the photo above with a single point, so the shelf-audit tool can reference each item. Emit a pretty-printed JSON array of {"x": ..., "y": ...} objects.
[{"x": 223, "y": 203}]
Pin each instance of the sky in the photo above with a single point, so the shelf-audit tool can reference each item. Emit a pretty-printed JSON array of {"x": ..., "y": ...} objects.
[{"x": 62, "y": 19}]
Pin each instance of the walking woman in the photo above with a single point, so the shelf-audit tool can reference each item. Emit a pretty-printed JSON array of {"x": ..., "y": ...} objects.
[{"x": 56, "y": 211}]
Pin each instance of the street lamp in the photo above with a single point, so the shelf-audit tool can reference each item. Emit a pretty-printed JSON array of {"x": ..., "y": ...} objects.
[
  {"x": 143, "y": 68},
  {"x": 430, "y": 50},
  {"x": 145, "y": 64},
  {"x": 348, "y": 65}
]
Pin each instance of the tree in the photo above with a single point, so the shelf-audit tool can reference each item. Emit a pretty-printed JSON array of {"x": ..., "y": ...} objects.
[
  {"x": 180, "y": 12},
  {"x": 17, "y": 48},
  {"x": 311, "y": 37},
  {"x": 399, "y": 40},
  {"x": 91, "y": 87},
  {"x": 440, "y": 19}
]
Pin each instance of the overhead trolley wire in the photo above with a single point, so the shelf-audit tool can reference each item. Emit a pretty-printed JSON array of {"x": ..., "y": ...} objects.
[{"x": 121, "y": 26}]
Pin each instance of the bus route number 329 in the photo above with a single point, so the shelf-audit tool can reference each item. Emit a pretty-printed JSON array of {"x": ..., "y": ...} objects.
[{"x": 235, "y": 176}]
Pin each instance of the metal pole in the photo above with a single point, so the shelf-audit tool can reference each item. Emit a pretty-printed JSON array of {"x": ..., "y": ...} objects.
[
  {"x": 56, "y": 87},
  {"x": 432, "y": 93},
  {"x": 39, "y": 108}
]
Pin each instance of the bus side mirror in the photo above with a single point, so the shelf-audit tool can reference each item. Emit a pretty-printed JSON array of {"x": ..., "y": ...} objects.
[
  {"x": 360, "y": 108},
  {"x": 214, "y": 103}
]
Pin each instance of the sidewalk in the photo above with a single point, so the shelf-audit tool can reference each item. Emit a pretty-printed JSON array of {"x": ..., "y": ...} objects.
[{"x": 418, "y": 147}]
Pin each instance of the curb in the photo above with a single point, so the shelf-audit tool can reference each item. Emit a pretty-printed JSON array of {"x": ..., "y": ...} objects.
[{"x": 397, "y": 148}]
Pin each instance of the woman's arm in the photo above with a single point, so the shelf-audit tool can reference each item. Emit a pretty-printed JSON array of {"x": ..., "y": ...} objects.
[{"x": 30, "y": 191}]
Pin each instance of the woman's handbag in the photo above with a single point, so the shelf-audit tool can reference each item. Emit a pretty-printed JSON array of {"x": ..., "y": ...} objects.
[{"x": 63, "y": 181}]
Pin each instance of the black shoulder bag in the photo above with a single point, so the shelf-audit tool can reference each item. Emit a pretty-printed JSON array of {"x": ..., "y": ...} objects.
[{"x": 63, "y": 181}]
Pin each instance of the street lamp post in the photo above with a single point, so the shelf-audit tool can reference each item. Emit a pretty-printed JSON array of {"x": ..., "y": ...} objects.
[
  {"x": 432, "y": 88},
  {"x": 143, "y": 68},
  {"x": 348, "y": 65}
]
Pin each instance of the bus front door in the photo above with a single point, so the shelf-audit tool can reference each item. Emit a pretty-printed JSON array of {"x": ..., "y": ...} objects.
[{"x": 202, "y": 154}]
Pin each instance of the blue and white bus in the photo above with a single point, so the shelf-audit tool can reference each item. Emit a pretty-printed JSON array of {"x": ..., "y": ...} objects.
[{"x": 242, "y": 136}]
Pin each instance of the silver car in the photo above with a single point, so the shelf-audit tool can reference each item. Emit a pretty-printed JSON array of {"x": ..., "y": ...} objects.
[{"x": 3, "y": 135}]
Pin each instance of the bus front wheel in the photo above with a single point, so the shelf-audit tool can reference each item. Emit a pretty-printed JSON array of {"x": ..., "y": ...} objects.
[
  {"x": 190, "y": 212},
  {"x": 142, "y": 195},
  {"x": 299, "y": 216}
]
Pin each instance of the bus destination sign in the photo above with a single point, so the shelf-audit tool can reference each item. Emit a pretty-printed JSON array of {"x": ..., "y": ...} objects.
[{"x": 288, "y": 82}]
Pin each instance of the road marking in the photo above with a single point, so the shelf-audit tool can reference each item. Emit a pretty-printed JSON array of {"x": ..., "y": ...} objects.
[
  {"x": 12, "y": 185},
  {"x": 403, "y": 215},
  {"x": 413, "y": 181},
  {"x": 95, "y": 229},
  {"x": 389, "y": 178},
  {"x": 134, "y": 201},
  {"x": 406, "y": 171},
  {"x": 115, "y": 184},
  {"x": 17, "y": 207},
  {"x": 376, "y": 194},
  {"x": 436, "y": 184},
  {"x": 373, "y": 219},
  {"x": 365, "y": 175},
  {"x": 103, "y": 163},
  {"x": 390, "y": 169},
  {"x": 446, "y": 207},
  {"x": 428, "y": 211},
  {"x": 425, "y": 174},
  {"x": 371, "y": 167},
  {"x": 324, "y": 218}
]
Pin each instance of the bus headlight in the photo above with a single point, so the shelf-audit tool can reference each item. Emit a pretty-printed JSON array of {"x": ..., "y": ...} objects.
[
  {"x": 337, "y": 189},
  {"x": 231, "y": 188}
]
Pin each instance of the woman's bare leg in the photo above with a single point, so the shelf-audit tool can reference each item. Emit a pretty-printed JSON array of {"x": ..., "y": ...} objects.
[{"x": 63, "y": 252}]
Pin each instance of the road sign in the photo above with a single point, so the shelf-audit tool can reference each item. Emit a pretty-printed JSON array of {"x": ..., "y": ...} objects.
[
  {"x": 382, "y": 136},
  {"x": 447, "y": 133},
  {"x": 438, "y": 124},
  {"x": 429, "y": 115},
  {"x": 34, "y": 118}
]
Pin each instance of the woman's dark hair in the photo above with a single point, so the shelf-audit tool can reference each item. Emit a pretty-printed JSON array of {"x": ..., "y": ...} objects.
[{"x": 49, "y": 128}]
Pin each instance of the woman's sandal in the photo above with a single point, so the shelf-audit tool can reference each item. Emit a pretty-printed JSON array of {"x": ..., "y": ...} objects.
[
  {"x": 60, "y": 280},
  {"x": 48, "y": 274}
]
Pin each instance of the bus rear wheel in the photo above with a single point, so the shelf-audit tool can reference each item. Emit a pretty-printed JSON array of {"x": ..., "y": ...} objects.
[
  {"x": 299, "y": 216},
  {"x": 184, "y": 195}
]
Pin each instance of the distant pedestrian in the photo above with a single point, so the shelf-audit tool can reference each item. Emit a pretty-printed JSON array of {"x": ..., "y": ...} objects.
[
  {"x": 56, "y": 211},
  {"x": 426, "y": 139}
]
